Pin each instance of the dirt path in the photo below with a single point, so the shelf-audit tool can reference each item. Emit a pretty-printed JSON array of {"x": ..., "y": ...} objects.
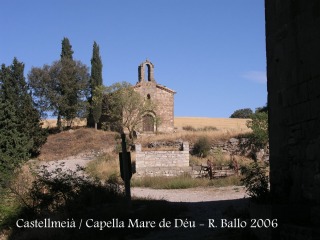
[
  {"x": 192, "y": 194},
  {"x": 202, "y": 206}
]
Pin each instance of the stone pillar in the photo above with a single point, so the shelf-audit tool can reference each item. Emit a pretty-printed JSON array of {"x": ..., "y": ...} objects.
[
  {"x": 185, "y": 147},
  {"x": 138, "y": 147}
]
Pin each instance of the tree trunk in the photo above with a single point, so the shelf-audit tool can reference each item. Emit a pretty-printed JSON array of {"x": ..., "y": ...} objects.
[
  {"x": 96, "y": 126},
  {"x": 59, "y": 124}
]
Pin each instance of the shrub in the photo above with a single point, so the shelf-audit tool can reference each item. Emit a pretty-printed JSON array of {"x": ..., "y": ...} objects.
[
  {"x": 189, "y": 128},
  {"x": 259, "y": 126},
  {"x": 203, "y": 129},
  {"x": 207, "y": 129},
  {"x": 68, "y": 191},
  {"x": 256, "y": 181},
  {"x": 242, "y": 113},
  {"x": 202, "y": 147}
]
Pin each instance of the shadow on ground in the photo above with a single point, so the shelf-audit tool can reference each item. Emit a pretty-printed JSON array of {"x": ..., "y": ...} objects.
[
  {"x": 68, "y": 205},
  {"x": 145, "y": 219}
]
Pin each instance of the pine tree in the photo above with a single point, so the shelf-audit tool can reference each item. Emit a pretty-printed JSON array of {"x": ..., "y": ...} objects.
[
  {"x": 61, "y": 87},
  {"x": 95, "y": 99}
]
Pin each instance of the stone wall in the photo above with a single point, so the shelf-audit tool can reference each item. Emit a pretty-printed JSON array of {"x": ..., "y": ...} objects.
[
  {"x": 162, "y": 163},
  {"x": 233, "y": 146},
  {"x": 293, "y": 58}
]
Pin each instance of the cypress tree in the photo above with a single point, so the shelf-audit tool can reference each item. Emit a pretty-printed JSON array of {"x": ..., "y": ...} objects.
[
  {"x": 66, "y": 51},
  {"x": 95, "y": 99},
  {"x": 67, "y": 81},
  {"x": 15, "y": 144},
  {"x": 27, "y": 114},
  {"x": 66, "y": 59}
]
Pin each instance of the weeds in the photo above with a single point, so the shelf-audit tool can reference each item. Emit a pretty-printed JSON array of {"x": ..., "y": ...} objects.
[
  {"x": 104, "y": 167},
  {"x": 72, "y": 196},
  {"x": 183, "y": 182},
  {"x": 256, "y": 181},
  {"x": 200, "y": 129},
  {"x": 189, "y": 128}
]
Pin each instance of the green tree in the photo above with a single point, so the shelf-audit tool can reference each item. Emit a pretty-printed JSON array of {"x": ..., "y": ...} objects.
[
  {"x": 16, "y": 140},
  {"x": 95, "y": 88},
  {"x": 61, "y": 87},
  {"x": 27, "y": 114},
  {"x": 259, "y": 126},
  {"x": 125, "y": 108},
  {"x": 242, "y": 113},
  {"x": 66, "y": 50},
  {"x": 96, "y": 104},
  {"x": 14, "y": 145}
]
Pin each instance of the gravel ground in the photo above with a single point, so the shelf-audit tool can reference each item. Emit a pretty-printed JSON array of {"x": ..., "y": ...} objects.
[
  {"x": 203, "y": 205},
  {"x": 192, "y": 194}
]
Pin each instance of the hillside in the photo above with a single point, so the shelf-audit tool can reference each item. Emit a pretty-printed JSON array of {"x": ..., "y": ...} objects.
[
  {"x": 89, "y": 141},
  {"x": 74, "y": 142}
]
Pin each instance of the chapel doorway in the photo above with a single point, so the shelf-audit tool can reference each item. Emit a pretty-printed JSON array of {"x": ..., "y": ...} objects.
[{"x": 148, "y": 123}]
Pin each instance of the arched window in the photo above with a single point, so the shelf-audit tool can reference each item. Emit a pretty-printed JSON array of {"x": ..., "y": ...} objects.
[
  {"x": 147, "y": 72},
  {"x": 148, "y": 97}
]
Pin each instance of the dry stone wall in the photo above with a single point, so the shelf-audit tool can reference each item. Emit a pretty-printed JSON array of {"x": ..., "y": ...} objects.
[
  {"x": 233, "y": 146},
  {"x": 162, "y": 163}
]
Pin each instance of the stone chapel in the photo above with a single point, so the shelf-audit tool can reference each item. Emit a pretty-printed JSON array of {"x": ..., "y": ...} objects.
[{"x": 161, "y": 95}]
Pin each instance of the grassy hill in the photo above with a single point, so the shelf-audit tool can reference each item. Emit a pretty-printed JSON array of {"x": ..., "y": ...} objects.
[{"x": 84, "y": 140}]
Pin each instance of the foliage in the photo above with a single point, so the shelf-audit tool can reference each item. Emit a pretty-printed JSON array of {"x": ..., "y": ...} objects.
[
  {"x": 256, "y": 181},
  {"x": 125, "y": 107},
  {"x": 71, "y": 196},
  {"x": 202, "y": 147},
  {"x": 66, "y": 49},
  {"x": 61, "y": 88},
  {"x": 105, "y": 167},
  {"x": 183, "y": 182},
  {"x": 21, "y": 134},
  {"x": 201, "y": 129},
  {"x": 259, "y": 126},
  {"x": 189, "y": 128},
  {"x": 96, "y": 104},
  {"x": 95, "y": 88},
  {"x": 242, "y": 113},
  {"x": 14, "y": 145},
  {"x": 67, "y": 190},
  {"x": 207, "y": 129}
]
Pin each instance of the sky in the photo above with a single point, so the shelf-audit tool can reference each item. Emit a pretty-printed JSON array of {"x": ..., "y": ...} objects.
[{"x": 211, "y": 52}]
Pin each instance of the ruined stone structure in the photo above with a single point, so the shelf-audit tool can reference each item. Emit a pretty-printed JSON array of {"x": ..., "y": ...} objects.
[
  {"x": 293, "y": 70},
  {"x": 162, "y": 163},
  {"x": 161, "y": 95}
]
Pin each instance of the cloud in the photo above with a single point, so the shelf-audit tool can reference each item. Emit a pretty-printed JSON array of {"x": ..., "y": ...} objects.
[{"x": 256, "y": 76}]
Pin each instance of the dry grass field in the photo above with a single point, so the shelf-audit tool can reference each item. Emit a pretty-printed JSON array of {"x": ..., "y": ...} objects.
[
  {"x": 222, "y": 124},
  {"x": 50, "y": 123}
]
